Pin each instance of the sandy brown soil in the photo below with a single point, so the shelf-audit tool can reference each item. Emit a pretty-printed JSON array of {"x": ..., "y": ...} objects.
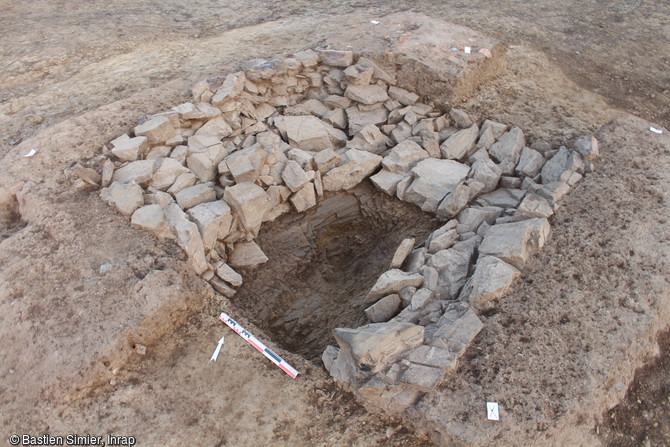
[{"x": 572, "y": 67}]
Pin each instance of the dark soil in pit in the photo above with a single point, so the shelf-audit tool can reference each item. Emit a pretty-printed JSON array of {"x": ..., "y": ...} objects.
[
  {"x": 643, "y": 417},
  {"x": 323, "y": 263}
]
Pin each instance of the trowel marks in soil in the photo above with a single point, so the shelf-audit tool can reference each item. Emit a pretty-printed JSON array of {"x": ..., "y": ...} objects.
[{"x": 287, "y": 146}]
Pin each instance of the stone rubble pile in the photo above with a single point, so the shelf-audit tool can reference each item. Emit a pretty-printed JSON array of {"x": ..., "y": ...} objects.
[{"x": 283, "y": 132}]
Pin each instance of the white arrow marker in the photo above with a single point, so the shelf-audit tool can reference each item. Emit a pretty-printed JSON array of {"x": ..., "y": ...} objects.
[{"x": 218, "y": 349}]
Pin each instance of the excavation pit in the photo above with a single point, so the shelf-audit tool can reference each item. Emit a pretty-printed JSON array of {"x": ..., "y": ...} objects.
[{"x": 322, "y": 263}]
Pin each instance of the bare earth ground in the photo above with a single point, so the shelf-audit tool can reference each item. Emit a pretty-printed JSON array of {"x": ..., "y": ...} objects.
[{"x": 572, "y": 67}]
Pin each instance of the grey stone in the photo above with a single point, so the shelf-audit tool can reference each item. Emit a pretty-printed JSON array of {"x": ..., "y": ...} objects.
[
  {"x": 245, "y": 165},
  {"x": 195, "y": 195},
  {"x": 188, "y": 237},
  {"x": 379, "y": 72},
  {"x": 249, "y": 202},
  {"x": 387, "y": 181},
  {"x": 587, "y": 147},
  {"x": 496, "y": 129},
  {"x": 530, "y": 163},
  {"x": 460, "y": 118},
  {"x": 158, "y": 130},
  {"x": 222, "y": 287},
  {"x": 561, "y": 166},
  {"x": 455, "y": 335},
  {"x": 384, "y": 309},
  {"x": 305, "y": 198},
  {"x": 294, "y": 176},
  {"x": 404, "y": 156},
  {"x": 503, "y": 197},
  {"x": 304, "y": 159},
  {"x": 125, "y": 197},
  {"x": 490, "y": 281},
  {"x": 424, "y": 378},
  {"x": 470, "y": 218},
  {"x": 336, "y": 58},
  {"x": 507, "y": 150},
  {"x": 392, "y": 281},
  {"x": 360, "y": 164},
  {"x": 366, "y": 94},
  {"x": 443, "y": 241},
  {"x": 375, "y": 345},
  {"x": 329, "y": 356},
  {"x": 369, "y": 139},
  {"x": 416, "y": 259},
  {"x": 454, "y": 202},
  {"x": 487, "y": 172},
  {"x": 452, "y": 266},
  {"x": 420, "y": 298},
  {"x": 216, "y": 127},
  {"x": 231, "y": 88},
  {"x": 403, "y": 96},
  {"x": 358, "y": 119},
  {"x": 486, "y": 139},
  {"x": 358, "y": 75},
  {"x": 515, "y": 242},
  {"x": 130, "y": 149},
  {"x": 226, "y": 273},
  {"x": 214, "y": 221},
  {"x": 402, "y": 252},
  {"x": 139, "y": 172},
  {"x": 401, "y": 132},
  {"x": 337, "y": 102},
  {"x": 247, "y": 255},
  {"x": 433, "y": 179},
  {"x": 202, "y": 166},
  {"x": 402, "y": 186},
  {"x": 305, "y": 132},
  {"x": 461, "y": 144},
  {"x": 535, "y": 206},
  {"x": 151, "y": 218},
  {"x": 182, "y": 181},
  {"x": 432, "y": 356},
  {"x": 510, "y": 182},
  {"x": 336, "y": 118}
]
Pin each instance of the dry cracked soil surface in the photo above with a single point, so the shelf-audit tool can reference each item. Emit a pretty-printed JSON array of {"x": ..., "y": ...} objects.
[{"x": 74, "y": 75}]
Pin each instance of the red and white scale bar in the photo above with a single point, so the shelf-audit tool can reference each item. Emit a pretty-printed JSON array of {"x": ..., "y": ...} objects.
[{"x": 256, "y": 343}]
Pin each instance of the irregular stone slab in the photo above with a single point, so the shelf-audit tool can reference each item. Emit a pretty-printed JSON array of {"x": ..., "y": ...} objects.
[
  {"x": 336, "y": 58},
  {"x": 507, "y": 150},
  {"x": 305, "y": 132},
  {"x": 384, "y": 309},
  {"x": 107, "y": 173},
  {"x": 359, "y": 166},
  {"x": 226, "y": 273},
  {"x": 294, "y": 176},
  {"x": 486, "y": 172},
  {"x": 420, "y": 298},
  {"x": 402, "y": 252},
  {"x": 304, "y": 159},
  {"x": 433, "y": 179},
  {"x": 366, "y": 94},
  {"x": 358, "y": 75},
  {"x": 183, "y": 181},
  {"x": 404, "y": 156},
  {"x": 158, "y": 130},
  {"x": 247, "y": 255},
  {"x": 454, "y": 202},
  {"x": 471, "y": 218},
  {"x": 246, "y": 165},
  {"x": 199, "y": 143},
  {"x": 374, "y": 345},
  {"x": 490, "y": 281},
  {"x": 384, "y": 75},
  {"x": 461, "y": 144},
  {"x": 188, "y": 237},
  {"x": 249, "y": 202},
  {"x": 214, "y": 221},
  {"x": 460, "y": 118},
  {"x": 358, "y": 119},
  {"x": 530, "y": 163},
  {"x": 456, "y": 335},
  {"x": 151, "y": 218},
  {"x": 222, "y": 287},
  {"x": 561, "y": 166},
  {"x": 503, "y": 197},
  {"x": 305, "y": 198},
  {"x": 587, "y": 147},
  {"x": 424, "y": 378},
  {"x": 125, "y": 197},
  {"x": 496, "y": 129},
  {"x": 535, "y": 206},
  {"x": 387, "y": 181},
  {"x": 231, "y": 88},
  {"x": 370, "y": 139},
  {"x": 195, "y": 195},
  {"x": 403, "y": 96},
  {"x": 167, "y": 171},
  {"x": 130, "y": 149},
  {"x": 216, "y": 127},
  {"x": 432, "y": 356},
  {"x": 452, "y": 266},
  {"x": 326, "y": 159},
  {"x": 515, "y": 242},
  {"x": 392, "y": 281},
  {"x": 443, "y": 241},
  {"x": 329, "y": 356},
  {"x": 202, "y": 166},
  {"x": 139, "y": 172}
]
